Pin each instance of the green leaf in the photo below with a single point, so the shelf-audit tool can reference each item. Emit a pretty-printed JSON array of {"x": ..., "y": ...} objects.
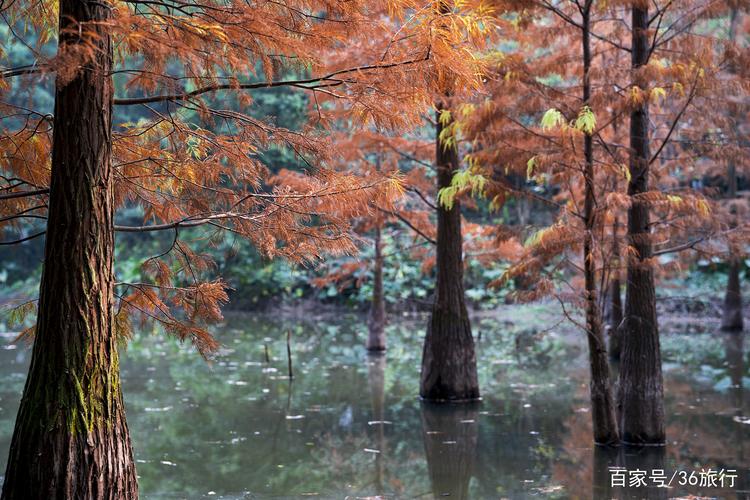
[
  {"x": 461, "y": 180},
  {"x": 586, "y": 121},
  {"x": 626, "y": 172},
  {"x": 446, "y": 138},
  {"x": 17, "y": 316},
  {"x": 552, "y": 119},
  {"x": 445, "y": 117},
  {"x": 446, "y": 196},
  {"x": 658, "y": 92},
  {"x": 530, "y": 167}
]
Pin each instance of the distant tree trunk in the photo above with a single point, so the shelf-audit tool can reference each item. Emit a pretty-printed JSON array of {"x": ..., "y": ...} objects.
[
  {"x": 731, "y": 319},
  {"x": 615, "y": 299},
  {"x": 451, "y": 437},
  {"x": 449, "y": 365},
  {"x": 732, "y": 312},
  {"x": 376, "y": 323},
  {"x": 602, "y": 406},
  {"x": 641, "y": 389},
  {"x": 71, "y": 439}
]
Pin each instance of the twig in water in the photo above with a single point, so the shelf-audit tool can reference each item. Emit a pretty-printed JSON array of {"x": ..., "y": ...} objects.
[{"x": 289, "y": 353}]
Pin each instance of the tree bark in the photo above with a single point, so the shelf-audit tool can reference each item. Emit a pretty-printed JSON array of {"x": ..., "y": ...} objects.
[
  {"x": 71, "y": 439},
  {"x": 602, "y": 405},
  {"x": 731, "y": 319},
  {"x": 449, "y": 365},
  {"x": 376, "y": 322},
  {"x": 615, "y": 300},
  {"x": 641, "y": 388}
]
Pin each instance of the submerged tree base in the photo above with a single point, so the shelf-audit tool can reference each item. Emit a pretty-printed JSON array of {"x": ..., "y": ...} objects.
[{"x": 449, "y": 365}]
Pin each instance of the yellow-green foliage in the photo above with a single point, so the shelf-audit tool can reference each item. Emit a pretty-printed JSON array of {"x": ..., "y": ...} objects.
[{"x": 463, "y": 179}]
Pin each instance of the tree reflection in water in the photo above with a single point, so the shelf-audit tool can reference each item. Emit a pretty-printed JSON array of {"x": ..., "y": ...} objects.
[{"x": 450, "y": 444}]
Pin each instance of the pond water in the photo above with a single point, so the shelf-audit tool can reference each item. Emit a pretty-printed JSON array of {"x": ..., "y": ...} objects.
[{"x": 350, "y": 425}]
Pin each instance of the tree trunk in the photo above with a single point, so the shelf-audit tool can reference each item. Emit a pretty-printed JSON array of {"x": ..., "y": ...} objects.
[
  {"x": 615, "y": 300},
  {"x": 451, "y": 437},
  {"x": 376, "y": 323},
  {"x": 449, "y": 365},
  {"x": 71, "y": 439},
  {"x": 602, "y": 406},
  {"x": 732, "y": 312},
  {"x": 641, "y": 388},
  {"x": 731, "y": 319}
]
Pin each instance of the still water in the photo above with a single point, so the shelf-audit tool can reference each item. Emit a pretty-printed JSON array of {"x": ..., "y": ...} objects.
[{"x": 349, "y": 424}]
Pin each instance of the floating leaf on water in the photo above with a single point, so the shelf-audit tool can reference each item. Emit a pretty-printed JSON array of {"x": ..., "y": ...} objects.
[
  {"x": 549, "y": 489},
  {"x": 165, "y": 408}
]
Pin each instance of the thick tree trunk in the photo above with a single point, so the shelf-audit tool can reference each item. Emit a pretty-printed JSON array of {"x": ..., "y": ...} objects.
[
  {"x": 376, "y": 323},
  {"x": 450, "y": 436},
  {"x": 449, "y": 365},
  {"x": 641, "y": 389},
  {"x": 602, "y": 405},
  {"x": 71, "y": 439}
]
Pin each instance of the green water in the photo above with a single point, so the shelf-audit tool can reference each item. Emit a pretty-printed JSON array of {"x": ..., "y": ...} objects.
[{"x": 350, "y": 425}]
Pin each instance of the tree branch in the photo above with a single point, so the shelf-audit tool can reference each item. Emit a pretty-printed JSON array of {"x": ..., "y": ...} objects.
[
  {"x": 411, "y": 226},
  {"x": 327, "y": 80}
]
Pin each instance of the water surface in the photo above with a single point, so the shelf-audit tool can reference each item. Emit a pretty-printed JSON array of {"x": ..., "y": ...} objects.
[{"x": 350, "y": 424}]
